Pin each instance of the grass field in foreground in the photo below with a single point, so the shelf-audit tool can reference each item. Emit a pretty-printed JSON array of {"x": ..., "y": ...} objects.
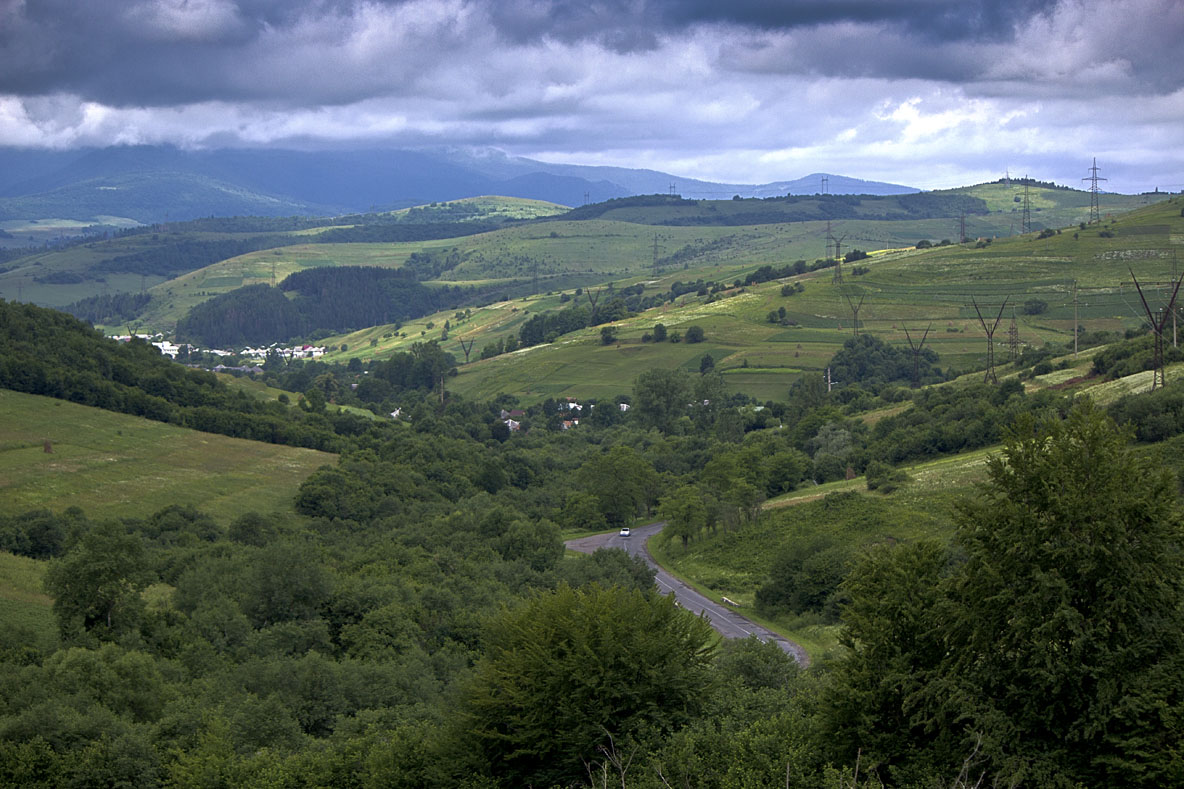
[{"x": 115, "y": 465}]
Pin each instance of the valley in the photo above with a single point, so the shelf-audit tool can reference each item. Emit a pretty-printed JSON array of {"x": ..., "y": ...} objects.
[{"x": 362, "y": 552}]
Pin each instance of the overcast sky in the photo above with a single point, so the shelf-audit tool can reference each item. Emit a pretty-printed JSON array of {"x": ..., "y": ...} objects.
[{"x": 927, "y": 93}]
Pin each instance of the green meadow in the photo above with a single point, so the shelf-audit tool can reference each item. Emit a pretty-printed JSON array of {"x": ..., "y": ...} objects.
[
  {"x": 114, "y": 465},
  {"x": 24, "y": 606},
  {"x": 1027, "y": 281}
]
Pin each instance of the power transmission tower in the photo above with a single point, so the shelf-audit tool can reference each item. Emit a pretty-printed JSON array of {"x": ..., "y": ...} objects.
[
  {"x": 1076, "y": 333},
  {"x": 672, "y": 190},
  {"x": 1027, "y": 221},
  {"x": 825, "y": 184},
  {"x": 1013, "y": 338},
  {"x": 656, "y": 248},
  {"x": 592, "y": 299},
  {"x": 838, "y": 275},
  {"x": 855, "y": 312},
  {"x": 1094, "y": 213},
  {"x": 467, "y": 348},
  {"x": 990, "y": 377},
  {"x": 916, "y": 348},
  {"x": 587, "y": 195},
  {"x": 1157, "y": 326}
]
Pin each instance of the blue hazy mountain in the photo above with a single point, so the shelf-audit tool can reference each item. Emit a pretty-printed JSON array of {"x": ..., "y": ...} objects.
[{"x": 159, "y": 183}]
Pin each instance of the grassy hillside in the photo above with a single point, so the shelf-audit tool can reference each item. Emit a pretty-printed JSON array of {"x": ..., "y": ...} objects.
[
  {"x": 62, "y": 276},
  {"x": 112, "y": 465},
  {"x": 913, "y": 289},
  {"x": 899, "y": 286},
  {"x": 620, "y": 243},
  {"x": 24, "y": 606}
]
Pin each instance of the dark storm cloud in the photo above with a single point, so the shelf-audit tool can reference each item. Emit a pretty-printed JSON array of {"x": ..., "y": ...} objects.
[
  {"x": 726, "y": 89},
  {"x": 162, "y": 52},
  {"x": 931, "y": 19},
  {"x": 643, "y": 21}
]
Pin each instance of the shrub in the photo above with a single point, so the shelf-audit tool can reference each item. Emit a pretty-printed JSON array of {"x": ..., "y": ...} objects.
[{"x": 883, "y": 477}]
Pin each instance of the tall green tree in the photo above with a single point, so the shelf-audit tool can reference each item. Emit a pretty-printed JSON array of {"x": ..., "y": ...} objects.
[
  {"x": 569, "y": 669},
  {"x": 623, "y": 483},
  {"x": 1071, "y": 630},
  {"x": 1057, "y": 642},
  {"x": 661, "y": 397},
  {"x": 684, "y": 512},
  {"x": 96, "y": 586}
]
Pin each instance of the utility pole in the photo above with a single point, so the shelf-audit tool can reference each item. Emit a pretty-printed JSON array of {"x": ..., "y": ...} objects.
[
  {"x": 962, "y": 228},
  {"x": 1094, "y": 213}
]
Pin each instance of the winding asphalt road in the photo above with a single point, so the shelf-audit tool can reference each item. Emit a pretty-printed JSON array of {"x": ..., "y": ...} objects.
[{"x": 726, "y": 621}]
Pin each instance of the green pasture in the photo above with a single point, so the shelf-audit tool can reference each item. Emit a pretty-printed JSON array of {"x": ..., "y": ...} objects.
[
  {"x": 25, "y": 609},
  {"x": 84, "y": 260},
  {"x": 484, "y": 208},
  {"x": 915, "y": 290},
  {"x": 115, "y": 465}
]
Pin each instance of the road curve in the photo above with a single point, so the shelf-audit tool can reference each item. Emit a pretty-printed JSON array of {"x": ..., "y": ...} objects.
[{"x": 726, "y": 621}]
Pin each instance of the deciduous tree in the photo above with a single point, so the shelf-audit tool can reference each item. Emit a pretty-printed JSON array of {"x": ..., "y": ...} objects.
[
  {"x": 96, "y": 586},
  {"x": 1058, "y": 639},
  {"x": 568, "y": 669}
]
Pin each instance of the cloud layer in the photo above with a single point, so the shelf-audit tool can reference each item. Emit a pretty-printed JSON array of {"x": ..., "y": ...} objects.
[{"x": 924, "y": 92}]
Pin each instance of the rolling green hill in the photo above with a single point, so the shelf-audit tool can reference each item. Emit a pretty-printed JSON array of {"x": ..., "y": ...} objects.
[
  {"x": 114, "y": 465},
  {"x": 529, "y": 267},
  {"x": 143, "y": 259},
  {"x": 911, "y": 289}
]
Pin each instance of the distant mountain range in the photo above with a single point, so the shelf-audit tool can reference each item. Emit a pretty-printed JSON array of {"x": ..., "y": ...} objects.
[{"x": 155, "y": 184}]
